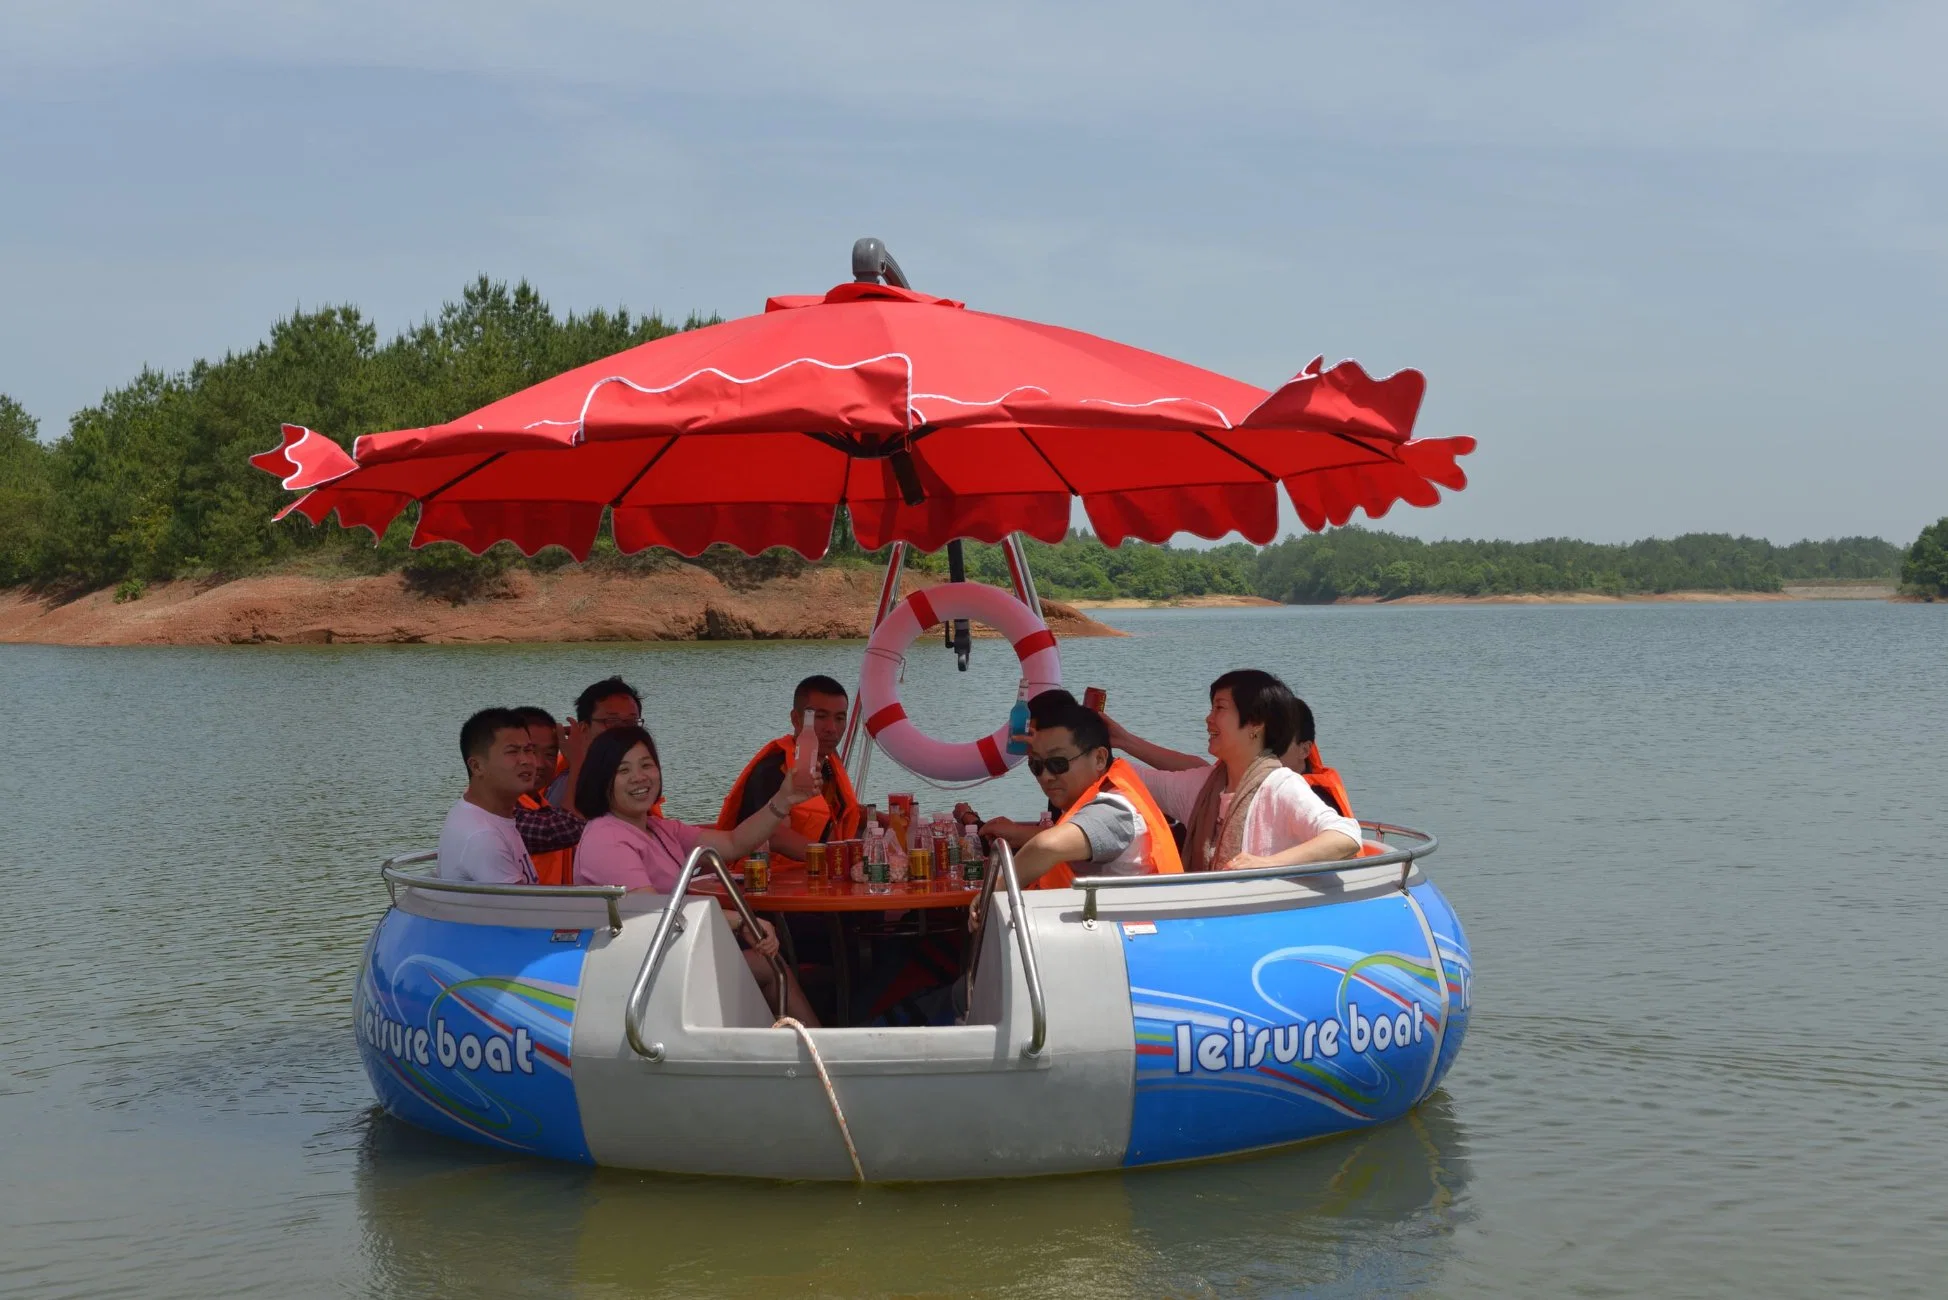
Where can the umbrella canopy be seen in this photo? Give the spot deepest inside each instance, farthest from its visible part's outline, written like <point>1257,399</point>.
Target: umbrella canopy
<point>926,420</point>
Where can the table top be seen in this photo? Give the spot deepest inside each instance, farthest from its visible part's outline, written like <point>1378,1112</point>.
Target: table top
<point>790,893</point>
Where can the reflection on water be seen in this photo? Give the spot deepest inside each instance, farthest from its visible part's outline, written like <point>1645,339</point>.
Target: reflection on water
<point>1365,1214</point>
<point>1694,847</point>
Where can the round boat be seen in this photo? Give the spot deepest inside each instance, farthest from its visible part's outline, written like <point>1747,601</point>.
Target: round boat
<point>1124,1021</point>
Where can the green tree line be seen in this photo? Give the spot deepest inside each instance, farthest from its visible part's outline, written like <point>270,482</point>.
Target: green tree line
<point>153,482</point>
<point>1350,562</point>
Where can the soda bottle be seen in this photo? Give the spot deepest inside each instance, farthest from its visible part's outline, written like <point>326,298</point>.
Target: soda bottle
<point>807,748</point>
<point>1018,721</point>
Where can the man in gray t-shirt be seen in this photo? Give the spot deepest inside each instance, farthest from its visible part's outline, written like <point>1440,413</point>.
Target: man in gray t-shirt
<point>1068,754</point>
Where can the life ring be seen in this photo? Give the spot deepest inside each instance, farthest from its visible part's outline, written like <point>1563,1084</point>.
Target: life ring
<point>879,684</point>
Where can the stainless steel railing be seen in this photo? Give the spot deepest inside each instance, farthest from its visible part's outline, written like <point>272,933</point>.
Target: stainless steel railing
<point>390,872</point>
<point>1001,865</point>
<point>671,925</point>
<point>1423,844</point>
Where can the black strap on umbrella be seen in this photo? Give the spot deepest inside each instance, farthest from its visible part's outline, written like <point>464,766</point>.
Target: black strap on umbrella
<point>871,264</point>
<point>959,639</point>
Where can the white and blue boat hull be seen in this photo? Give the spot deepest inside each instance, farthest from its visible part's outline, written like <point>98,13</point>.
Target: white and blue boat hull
<point>1202,1020</point>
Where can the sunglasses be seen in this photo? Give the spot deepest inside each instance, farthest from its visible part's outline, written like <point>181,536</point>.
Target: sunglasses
<point>1057,765</point>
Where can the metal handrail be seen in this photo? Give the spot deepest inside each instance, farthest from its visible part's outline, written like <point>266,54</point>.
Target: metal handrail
<point>989,879</point>
<point>1001,860</point>
<point>671,925</point>
<point>389,872</point>
<point>1037,1003</point>
<point>1405,857</point>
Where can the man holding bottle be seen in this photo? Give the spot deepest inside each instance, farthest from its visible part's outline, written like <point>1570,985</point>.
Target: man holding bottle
<point>818,717</point>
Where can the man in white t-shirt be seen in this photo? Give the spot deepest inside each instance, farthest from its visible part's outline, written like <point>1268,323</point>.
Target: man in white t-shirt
<point>479,840</point>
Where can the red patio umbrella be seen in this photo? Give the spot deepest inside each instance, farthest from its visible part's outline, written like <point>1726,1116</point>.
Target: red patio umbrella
<point>927,420</point>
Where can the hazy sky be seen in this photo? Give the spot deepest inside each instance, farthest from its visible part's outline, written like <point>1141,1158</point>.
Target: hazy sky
<point>1677,266</point>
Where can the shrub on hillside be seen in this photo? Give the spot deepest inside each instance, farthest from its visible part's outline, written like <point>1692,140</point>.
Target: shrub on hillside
<point>1925,571</point>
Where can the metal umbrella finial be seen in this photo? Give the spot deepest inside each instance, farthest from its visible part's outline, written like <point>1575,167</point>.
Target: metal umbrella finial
<point>871,263</point>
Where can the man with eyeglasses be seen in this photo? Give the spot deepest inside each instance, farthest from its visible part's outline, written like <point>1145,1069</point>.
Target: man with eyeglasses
<point>607,704</point>
<point>1107,823</point>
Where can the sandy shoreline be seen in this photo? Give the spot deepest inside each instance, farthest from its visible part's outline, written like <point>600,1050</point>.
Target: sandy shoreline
<point>1792,591</point>
<point>683,603</point>
<point>1182,602</point>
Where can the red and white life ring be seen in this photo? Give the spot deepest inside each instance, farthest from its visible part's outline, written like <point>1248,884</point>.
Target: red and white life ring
<point>879,685</point>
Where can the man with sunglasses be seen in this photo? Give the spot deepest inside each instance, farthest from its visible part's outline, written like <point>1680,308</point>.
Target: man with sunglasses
<point>1107,822</point>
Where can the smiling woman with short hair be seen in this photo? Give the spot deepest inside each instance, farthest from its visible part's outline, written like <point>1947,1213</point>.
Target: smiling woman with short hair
<point>626,844</point>
<point>1248,809</point>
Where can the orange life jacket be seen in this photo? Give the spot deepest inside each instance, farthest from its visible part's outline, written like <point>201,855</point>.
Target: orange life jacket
<point>1122,778</point>
<point>556,867</point>
<point>1326,782</point>
<point>815,818</point>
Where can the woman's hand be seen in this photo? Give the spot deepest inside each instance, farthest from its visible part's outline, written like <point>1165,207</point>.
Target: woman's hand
<point>800,785</point>
<point>1118,738</point>
<point>1327,846</point>
<point>766,940</point>
<point>964,813</point>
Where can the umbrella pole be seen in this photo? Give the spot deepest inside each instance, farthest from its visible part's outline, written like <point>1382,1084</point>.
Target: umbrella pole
<point>1019,574</point>
<point>888,592</point>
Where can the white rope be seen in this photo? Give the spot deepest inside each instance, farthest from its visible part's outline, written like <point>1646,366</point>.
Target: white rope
<point>818,1063</point>
<point>951,787</point>
<point>896,656</point>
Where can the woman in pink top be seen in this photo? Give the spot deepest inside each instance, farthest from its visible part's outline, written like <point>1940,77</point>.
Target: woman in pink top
<point>620,781</point>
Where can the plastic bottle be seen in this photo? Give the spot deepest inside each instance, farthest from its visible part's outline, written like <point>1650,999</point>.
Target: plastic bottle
<point>972,862</point>
<point>807,748</point>
<point>878,869</point>
<point>1018,721</point>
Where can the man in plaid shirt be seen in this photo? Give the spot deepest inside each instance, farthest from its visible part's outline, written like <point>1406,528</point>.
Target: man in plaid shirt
<point>545,828</point>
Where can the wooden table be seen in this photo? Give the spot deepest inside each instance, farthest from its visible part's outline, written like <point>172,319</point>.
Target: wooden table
<point>790,893</point>
<point>837,900</point>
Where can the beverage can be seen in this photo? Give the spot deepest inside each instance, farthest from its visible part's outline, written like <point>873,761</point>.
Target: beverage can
<point>1095,698</point>
<point>757,873</point>
<point>919,866</point>
<point>817,858</point>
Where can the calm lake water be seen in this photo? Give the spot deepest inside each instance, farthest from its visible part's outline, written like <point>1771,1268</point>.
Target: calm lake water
<point>1698,849</point>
